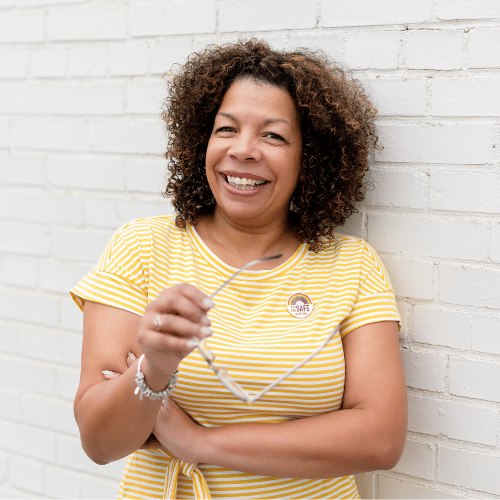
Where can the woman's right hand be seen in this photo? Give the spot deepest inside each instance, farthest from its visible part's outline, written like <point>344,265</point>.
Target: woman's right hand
<point>169,324</point>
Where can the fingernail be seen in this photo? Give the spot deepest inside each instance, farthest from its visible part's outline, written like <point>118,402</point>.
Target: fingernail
<point>206,331</point>
<point>132,355</point>
<point>107,372</point>
<point>192,342</point>
<point>207,303</point>
<point>205,321</point>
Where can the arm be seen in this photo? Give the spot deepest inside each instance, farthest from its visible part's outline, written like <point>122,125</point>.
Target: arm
<point>113,421</point>
<point>367,434</point>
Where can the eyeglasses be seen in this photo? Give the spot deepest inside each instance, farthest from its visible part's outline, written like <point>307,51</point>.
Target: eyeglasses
<point>222,373</point>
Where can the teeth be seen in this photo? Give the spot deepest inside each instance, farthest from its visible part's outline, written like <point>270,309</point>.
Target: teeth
<point>244,183</point>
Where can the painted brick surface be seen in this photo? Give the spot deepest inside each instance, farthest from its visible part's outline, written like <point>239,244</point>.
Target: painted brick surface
<point>81,152</point>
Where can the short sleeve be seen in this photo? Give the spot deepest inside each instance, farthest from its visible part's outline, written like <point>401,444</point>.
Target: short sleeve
<point>119,279</point>
<point>376,300</point>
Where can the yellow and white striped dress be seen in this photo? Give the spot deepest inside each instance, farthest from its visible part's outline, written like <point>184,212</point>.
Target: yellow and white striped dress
<point>255,337</point>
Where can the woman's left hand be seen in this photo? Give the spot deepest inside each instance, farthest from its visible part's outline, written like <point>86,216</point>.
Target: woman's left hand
<point>175,431</point>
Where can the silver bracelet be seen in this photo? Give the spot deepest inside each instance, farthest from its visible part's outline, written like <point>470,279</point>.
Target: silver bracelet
<point>144,390</point>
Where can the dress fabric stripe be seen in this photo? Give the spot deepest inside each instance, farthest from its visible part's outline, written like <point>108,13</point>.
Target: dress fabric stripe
<point>255,338</point>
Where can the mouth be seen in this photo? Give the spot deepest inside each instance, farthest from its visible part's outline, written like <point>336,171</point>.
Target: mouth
<point>243,183</point>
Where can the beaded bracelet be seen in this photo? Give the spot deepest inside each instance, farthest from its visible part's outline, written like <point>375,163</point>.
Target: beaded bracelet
<point>144,390</point>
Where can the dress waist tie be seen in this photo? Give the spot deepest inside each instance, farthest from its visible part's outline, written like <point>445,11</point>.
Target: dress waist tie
<point>175,465</point>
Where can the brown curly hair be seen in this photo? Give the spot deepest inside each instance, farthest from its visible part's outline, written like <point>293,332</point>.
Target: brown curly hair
<point>337,124</point>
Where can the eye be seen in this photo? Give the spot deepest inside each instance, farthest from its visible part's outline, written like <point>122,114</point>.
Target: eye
<point>274,136</point>
<point>225,129</point>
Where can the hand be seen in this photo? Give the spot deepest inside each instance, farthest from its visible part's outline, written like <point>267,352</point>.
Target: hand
<point>168,325</point>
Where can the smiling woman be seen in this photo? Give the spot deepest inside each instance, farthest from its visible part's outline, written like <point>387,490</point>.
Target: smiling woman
<point>267,152</point>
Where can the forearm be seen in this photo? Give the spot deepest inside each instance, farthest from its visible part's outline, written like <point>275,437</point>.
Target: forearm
<point>113,421</point>
<point>332,445</point>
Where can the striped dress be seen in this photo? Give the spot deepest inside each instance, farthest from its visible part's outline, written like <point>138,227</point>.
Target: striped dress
<point>264,323</point>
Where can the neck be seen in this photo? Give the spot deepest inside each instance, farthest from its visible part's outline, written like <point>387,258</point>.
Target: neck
<point>237,243</point>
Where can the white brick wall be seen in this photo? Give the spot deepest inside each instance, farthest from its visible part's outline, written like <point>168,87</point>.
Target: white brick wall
<point>81,152</point>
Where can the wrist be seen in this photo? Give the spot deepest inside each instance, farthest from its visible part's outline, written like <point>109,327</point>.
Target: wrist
<point>156,377</point>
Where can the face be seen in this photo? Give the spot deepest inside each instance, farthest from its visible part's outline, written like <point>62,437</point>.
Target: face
<point>254,153</point>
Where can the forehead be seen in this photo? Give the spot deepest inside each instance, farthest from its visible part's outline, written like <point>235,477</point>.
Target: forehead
<point>249,97</point>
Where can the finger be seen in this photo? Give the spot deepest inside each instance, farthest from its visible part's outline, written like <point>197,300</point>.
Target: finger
<point>175,302</point>
<point>109,375</point>
<point>130,358</point>
<point>180,327</point>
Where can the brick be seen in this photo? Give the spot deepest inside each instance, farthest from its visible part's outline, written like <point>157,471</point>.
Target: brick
<point>71,316</point>
<point>396,188</point>
<point>486,333</point>
<point>87,60</point>
<point>48,209</point>
<point>397,97</point>
<point>463,9</point>
<point>130,59</point>
<point>9,339</point>
<point>22,170</point>
<point>49,414</point>
<point>51,134</point>
<point>463,191</point>
<point>332,45</point>
<point>478,96</point>
<point>165,54</point>
<point>22,26</point>
<point>48,62</point>
<point>26,474</point>
<point>173,17</point>
<point>21,98</point>
<point>410,278</point>
<point>426,237</point>
<point>424,370</point>
<point>28,376</point>
<point>237,16</point>
<point>10,405</point>
<point>452,419</point>
<point>114,213</point>
<point>434,49</point>
<point>495,243</point>
<point>20,271</point>
<point>475,379</point>
<point>4,134</point>
<point>27,240</point>
<point>139,135</point>
<point>43,3</point>
<point>60,483</point>
<point>5,210</point>
<point>470,469</point>
<point>80,246</point>
<point>3,468</point>
<point>353,226</point>
<point>441,327</point>
<point>54,347</point>
<point>86,99</point>
<point>60,277</point>
<point>67,383</point>
<point>14,63</point>
<point>29,308</point>
<point>483,45</point>
<point>87,23</point>
<point>417,460</point>
<point>471,287</point>
<point>10,493</point>
<point>446,143</point>
<point>34,443</point>
<point>145,97</point>
<point>372,49</point>
<point>69,451</point>
<point>147,176</point>
<point>390,487</point>
<point>99,488</point>
<point>100,173</point>
<point>365,483</point>
<point>336,13</point>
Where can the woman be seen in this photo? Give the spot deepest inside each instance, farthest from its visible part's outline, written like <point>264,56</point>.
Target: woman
<point>267,152</point>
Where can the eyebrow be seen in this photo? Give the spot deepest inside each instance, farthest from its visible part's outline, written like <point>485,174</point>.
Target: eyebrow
<point>267,122</point>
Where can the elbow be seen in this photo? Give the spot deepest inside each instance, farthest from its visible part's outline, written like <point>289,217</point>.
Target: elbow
<point>389,452</point>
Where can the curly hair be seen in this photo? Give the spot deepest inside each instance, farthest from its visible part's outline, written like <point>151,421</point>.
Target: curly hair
<point>336,119</point>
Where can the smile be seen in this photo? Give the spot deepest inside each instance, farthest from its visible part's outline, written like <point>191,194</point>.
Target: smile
<point>243,183</point>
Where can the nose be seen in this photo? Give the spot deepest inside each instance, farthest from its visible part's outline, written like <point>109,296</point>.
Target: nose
<point>244,147</point>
